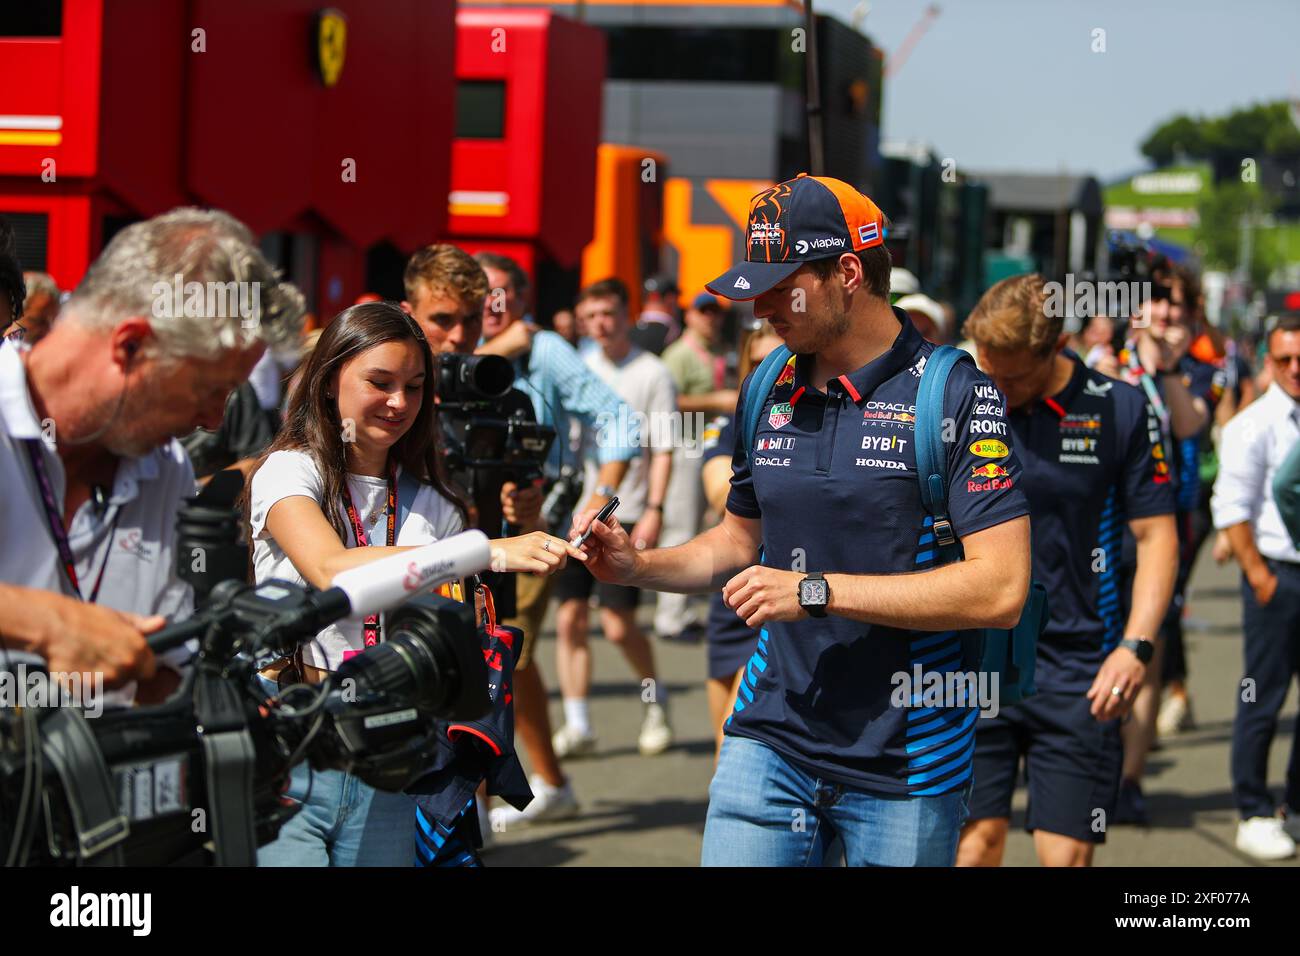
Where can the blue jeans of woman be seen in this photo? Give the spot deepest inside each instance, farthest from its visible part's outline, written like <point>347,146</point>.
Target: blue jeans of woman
<point>343,822</point>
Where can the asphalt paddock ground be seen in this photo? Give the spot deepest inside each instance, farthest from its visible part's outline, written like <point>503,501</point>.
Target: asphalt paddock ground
<point>649,811</point>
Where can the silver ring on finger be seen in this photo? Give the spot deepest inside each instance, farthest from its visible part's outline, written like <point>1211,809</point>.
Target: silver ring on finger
<point>546,545</point>
<point>1116,691</point>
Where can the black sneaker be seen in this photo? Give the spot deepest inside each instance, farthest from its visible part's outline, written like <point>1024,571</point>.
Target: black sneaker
<point>1131,807</point>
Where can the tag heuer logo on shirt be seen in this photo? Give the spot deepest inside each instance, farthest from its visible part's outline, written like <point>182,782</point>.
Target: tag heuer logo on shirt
<point>780,415</point>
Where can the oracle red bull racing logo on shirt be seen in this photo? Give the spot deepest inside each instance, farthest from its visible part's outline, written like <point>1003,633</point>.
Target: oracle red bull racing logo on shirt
<point>895,413</point>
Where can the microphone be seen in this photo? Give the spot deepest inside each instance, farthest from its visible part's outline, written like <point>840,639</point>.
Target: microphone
<point>379,586</point>
<point>383,585</point>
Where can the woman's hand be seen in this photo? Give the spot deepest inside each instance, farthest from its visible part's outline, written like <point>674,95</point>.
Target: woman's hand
<point>536,552</point>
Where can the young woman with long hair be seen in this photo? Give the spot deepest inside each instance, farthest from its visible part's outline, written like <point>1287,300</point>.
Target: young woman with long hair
<point>325,498</point>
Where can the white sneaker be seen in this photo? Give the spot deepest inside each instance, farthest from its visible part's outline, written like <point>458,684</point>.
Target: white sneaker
<point>548,803</point>
<point>1175,716</point>
<point>656,735</point>
<point>569,741</point>
<point>1264,839</point>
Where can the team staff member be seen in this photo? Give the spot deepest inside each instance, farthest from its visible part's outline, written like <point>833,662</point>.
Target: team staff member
<point>92,476</point>
<point>1253,446</point>
<point>1089,448</point>
<point>815,748</point>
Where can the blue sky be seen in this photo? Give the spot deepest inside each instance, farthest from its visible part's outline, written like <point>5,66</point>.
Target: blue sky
<point>1014,85</point>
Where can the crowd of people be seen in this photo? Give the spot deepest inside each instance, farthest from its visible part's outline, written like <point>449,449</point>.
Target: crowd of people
<point>831,557</point>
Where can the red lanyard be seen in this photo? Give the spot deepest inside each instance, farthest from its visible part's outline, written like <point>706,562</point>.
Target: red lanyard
<point>55,521</point>
<point>372,622</point>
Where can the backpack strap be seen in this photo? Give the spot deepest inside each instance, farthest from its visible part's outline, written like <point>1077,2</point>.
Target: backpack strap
<point>931,456</point>
<point>761,384</point>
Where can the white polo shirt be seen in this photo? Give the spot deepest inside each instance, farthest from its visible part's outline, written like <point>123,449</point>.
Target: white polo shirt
<point>138,555</point>
<point>1251,450</point>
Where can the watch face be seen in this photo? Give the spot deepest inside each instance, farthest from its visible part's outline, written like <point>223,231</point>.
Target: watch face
<point>812,592</point>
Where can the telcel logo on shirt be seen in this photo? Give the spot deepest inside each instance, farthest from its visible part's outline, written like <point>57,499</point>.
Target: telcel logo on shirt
<point>989,448</point>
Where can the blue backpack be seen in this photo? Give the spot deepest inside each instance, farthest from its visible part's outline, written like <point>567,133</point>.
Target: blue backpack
<point>1010,653</point>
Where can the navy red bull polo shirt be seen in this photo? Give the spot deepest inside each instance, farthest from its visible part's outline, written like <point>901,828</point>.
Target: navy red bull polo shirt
<point>834,484</point>
<point>1093,461</point>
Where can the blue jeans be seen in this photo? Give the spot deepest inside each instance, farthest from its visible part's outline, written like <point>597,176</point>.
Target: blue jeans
<point>344,822</point>
<point>765,811</point>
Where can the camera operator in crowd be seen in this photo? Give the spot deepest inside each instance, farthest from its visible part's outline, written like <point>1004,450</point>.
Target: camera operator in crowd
<point>88,456</point>
<point>562,389</point>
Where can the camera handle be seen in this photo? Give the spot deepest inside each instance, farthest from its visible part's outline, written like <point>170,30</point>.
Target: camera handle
<point>230,762</point>
<point>73,752</point>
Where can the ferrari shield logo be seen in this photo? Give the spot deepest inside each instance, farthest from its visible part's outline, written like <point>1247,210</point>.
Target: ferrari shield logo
<point>780,415</point>
<point>331,44</point>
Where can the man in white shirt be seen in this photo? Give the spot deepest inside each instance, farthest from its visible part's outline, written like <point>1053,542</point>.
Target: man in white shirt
<point>166,323</point>
<point>1253,446</point>
<point>646,387</point>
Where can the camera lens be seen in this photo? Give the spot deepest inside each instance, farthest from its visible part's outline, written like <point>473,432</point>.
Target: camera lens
<point>432,658</point>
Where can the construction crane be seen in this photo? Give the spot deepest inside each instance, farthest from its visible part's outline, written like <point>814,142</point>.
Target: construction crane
<point>899,57</point>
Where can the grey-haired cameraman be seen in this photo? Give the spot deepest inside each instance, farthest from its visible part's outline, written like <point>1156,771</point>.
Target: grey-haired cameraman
<point>165,324</point>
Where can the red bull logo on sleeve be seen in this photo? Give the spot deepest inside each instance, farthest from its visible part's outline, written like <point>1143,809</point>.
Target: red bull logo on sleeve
<point>995,477</point>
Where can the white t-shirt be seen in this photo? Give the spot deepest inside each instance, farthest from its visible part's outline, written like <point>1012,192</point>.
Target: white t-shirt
<point>286,474</point>
<point>646,385</point>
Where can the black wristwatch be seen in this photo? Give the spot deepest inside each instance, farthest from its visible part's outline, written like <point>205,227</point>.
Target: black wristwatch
<point>814,594</point>
<point>1143,649</point>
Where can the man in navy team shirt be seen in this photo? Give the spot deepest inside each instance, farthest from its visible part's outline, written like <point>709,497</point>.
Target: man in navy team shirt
<point>1092,460</point>
<point>817,747</point>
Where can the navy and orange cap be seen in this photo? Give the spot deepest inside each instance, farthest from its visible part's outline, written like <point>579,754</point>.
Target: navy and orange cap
<point>798,221</point>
